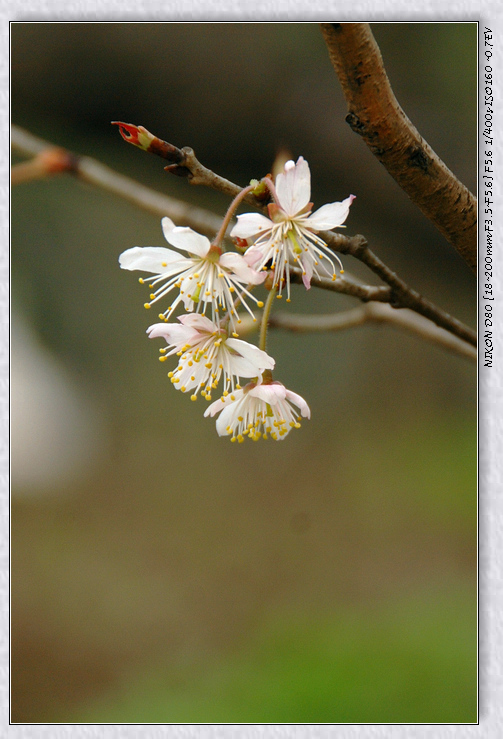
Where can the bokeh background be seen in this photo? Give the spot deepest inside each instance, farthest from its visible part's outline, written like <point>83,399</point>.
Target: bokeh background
<point>160,573</point>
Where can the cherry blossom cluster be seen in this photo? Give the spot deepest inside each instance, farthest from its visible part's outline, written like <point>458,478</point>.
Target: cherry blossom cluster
<point>205,279</point>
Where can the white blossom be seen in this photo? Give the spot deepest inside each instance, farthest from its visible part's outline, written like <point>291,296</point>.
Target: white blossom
<point>258,411</point>
<point>289,235</point>
<point>206,353</point>
<point>204,277</point>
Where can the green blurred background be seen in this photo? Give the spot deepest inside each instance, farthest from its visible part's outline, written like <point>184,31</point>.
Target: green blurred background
<point>160,573</point>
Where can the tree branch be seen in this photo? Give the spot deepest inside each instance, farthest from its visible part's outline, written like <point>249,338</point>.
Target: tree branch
<point>405,319</point>
<point>402,295</point>
<point>397,293</point>
<point>374,113</point>
<point>92,171</point>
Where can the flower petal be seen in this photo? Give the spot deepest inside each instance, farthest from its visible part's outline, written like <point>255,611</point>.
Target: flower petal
<point>167,226</point>
<point>253,355</point>
<point>255,254</point>
<point>251,224</point>
<point>198,322</point>
<point>173,333</point>
<point>330,215</point>
<point>271,393</point>
<point>185,238</point>
<point>238,265</point>
<point>294,186</point>
<point>155,259</point>
<point>299,402</point>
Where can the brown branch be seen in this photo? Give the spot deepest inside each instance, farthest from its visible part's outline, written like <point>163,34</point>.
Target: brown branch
<point>374,113</point>
<point>401,296</point>
<point>395,292</point>
<point>92,171</point>
<point>347,286</point>
<point>405,319</point>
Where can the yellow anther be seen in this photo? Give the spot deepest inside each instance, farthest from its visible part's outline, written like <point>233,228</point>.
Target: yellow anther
<point>240,439</point>
<point>288,300</point>
<point>233,438</point>
<point>260,304</point>
<point>146,305</point>
<point>279,296</point>
<point>341,271</point>
<point>235,334</point>
<point>164,264</point>
<point>193,397</point>
<point>141,281</point>
<point>162,359</point>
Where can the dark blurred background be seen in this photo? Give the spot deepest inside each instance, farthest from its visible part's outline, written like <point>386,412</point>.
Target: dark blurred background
<point>160,573</point>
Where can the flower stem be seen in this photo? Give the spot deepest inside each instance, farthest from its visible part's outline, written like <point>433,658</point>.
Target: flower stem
<point>265,318</point>
<point>270,185</point>
<point>230,212</point>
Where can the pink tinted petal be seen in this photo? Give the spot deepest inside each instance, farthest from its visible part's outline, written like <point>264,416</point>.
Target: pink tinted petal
<point>158,330</point>
<point>250,224</point>
<point>299,402</point>
<point>155,259</point>
<point>294,186</point>
<point>254,255</point>
<point>330,215</point>
<point>270,393</point>
<point>185,238</point>
<point>252,354</point>
<point>198,322</point>
<point>238,265</point>
<point>307,270</point>
<point>172,332</point>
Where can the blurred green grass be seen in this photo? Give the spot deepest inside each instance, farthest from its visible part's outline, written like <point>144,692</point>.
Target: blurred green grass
<point>410,661</point>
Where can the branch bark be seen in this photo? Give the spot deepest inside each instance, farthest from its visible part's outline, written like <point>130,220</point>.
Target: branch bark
<point>372,312</point>
<point>375,114</point>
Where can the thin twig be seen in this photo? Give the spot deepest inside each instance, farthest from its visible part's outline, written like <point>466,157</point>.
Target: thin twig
<point>405,319</point>
<point>102,176</point>
<point>94,172</point>
<point>397,293</point>
<point>374,113</point>
<point>402,296</point>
